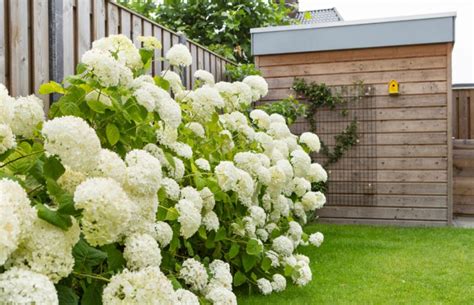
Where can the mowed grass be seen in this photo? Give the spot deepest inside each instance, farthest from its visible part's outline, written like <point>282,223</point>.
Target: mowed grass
<point>384,265</point>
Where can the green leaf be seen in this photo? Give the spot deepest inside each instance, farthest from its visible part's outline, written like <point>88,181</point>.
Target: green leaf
<point>288,270</point>
<point>115,260</point>
<point>92,294</point>
<point>221,234</point>
<point>266,263</point>
<point>254,247</point>
<point>161,82</point>
<point>87,256</point>
<point>239,278</point>
<point>113,133</point>
<point>234,250</point>
<point>202,232</point>
<point>172,214</point>
<point>52,168</point>
<point>97,106</point>
<point>248,261</point>
<point>189,247</point>
<point>146,55</point>
<point>66,295</point>
<point>53,217</point>
<point>81,68</point>
<point>51,87</point>
<point>69,108</point>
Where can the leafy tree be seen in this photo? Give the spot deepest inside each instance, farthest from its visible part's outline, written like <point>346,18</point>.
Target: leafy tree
<point>222,26</point>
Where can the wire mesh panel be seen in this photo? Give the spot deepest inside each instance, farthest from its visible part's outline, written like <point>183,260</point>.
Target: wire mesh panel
<point>352,170</point>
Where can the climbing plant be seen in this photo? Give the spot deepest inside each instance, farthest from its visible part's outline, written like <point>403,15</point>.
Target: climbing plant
<point>290,108</point>
<point>319,96</point>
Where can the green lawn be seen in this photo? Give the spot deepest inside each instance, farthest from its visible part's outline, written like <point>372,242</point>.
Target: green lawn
<point>384,265</point>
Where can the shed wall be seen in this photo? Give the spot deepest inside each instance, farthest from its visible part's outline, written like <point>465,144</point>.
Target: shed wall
<point>412,130</point>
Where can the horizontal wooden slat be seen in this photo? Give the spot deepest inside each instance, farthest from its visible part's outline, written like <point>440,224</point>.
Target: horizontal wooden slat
<point>412,163</point>
<point>464,209</point>
<point>367,78</point>
<point>420,138</point>
<point>412,188</point>
<point>396,151</point>
<point>390,200</point>
<point>432,62</point>
<point>389,175</point>
<point>379,90</point>
<point>386,127</point>
<point>384,213</point>
<point>353,55</point>
<point>384,222</point>
<point>463,186</point>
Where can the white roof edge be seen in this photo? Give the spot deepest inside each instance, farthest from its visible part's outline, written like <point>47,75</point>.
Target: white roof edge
<point>351,22</point>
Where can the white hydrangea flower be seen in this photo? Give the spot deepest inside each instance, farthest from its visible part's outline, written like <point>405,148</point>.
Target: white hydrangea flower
<point>203,164</point>
<point>189,218</point>
<point>166,135</point>
<point>171,188</point>
<point>74,141</point>
<point>295,232</point>
<point>186,297</point>
<point>278,283</point>
<point>106,210</point>
<point>145,208</point>
<point>177,171</point>
<point>302,274</point>
<point>243,94</point>
<point>211,221</point>
<point>7,138</point>
<point>264,286</point>
<point>27,114</point>
<point>182,149</point>
<point>170,112</point>
<point>208,199</point>
<point>279,130</point>
<point>179,55</point>
<point>260,118</point>
<point>245,188</point>
<point>301,162</point>
<point>205,77</point>
<point>10,230</point>
<point>316,239</point>
<point>193,195</point>
<point>227,175</point>
<point>150,42</point>
<point>163,233</point>
<point>316,173</point>
<point>122,47</point>
<point>174,80</point>
<point>14,198</point>
<point>313,200</point>
<point>221,296</point>
<point>220,275</point>
<point>108,71</point>
<point>194,274</point>
<point>299,211</point>
<point>258,215</point>
<point>146,286</point>
<point>204,102</point>
<point>157,152</point>
<point>283,245</point>
<point>311,140</point>
<point>274,258</point>
<point>6,106</point>
<point>300,186</point>
<point>197,129</point>
<point>97,95</point>
<point>143,174</point>
<point>47,250</point>
<point>110,165</point>
<point>141,251</point>
<point>258,85</point>
<point>19,286</point>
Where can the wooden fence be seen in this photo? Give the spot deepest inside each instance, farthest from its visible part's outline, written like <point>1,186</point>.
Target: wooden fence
<point>463,113</point>
<point>44,39</point>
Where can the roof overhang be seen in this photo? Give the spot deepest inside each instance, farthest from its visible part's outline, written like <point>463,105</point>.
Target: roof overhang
<point>399,31</point>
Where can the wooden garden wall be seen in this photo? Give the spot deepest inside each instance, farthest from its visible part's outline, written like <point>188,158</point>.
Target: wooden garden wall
<point>412,133</point>
<point>26,28</point>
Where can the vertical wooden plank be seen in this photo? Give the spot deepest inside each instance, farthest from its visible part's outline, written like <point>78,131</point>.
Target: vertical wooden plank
<point>449,96</point>
<point>454,114</point>
<point>175,39</point>
<point>99,17</point>
<point>189,70</point>
<point>125,23</point>
<point>224,77</point>
<point>207,65</point>
<point>83,26</point>
<point>194,65</point>
<point>471,114</point>
<point>212,64</point>
<point>166,46</point>
<point>463,116</point>
<point>157,66</point>
<point>147,28</point>
<point>218,70</point>
<point>136,29</point>
<point>113,19</point>
<point>68,37</point>
<point>40,47</point>
<point>3,47</point>
<point>19,51</point>
<point>200,58</point>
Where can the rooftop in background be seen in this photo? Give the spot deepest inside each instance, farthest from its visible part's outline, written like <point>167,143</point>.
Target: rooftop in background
<point>319,16</point>
<point>463,86</point>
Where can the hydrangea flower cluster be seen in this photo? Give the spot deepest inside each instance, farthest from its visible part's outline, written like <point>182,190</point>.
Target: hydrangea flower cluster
<point>151,193</point>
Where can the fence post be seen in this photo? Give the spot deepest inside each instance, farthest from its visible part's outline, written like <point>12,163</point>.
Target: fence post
<point>184,79</point>
<point>56,47</point>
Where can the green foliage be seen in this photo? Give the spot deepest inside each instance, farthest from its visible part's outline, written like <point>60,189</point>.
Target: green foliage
<point>240,71</point>
<point>319,96</point>
<point>290,108</point>
<point>222,26</point>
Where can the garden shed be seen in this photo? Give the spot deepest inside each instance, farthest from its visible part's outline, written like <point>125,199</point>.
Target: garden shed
<point>400,170</point>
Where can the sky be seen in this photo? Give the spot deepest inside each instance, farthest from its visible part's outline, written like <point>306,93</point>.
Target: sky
<point>463,52</point>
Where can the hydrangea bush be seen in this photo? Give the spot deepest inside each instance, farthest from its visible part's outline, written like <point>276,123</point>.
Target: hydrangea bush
<point>137,191</point>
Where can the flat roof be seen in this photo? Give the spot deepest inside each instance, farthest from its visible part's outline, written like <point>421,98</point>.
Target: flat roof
<point>396,31</point>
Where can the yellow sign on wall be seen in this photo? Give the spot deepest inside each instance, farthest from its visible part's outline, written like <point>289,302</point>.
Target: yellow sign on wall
<point>393,87</point>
